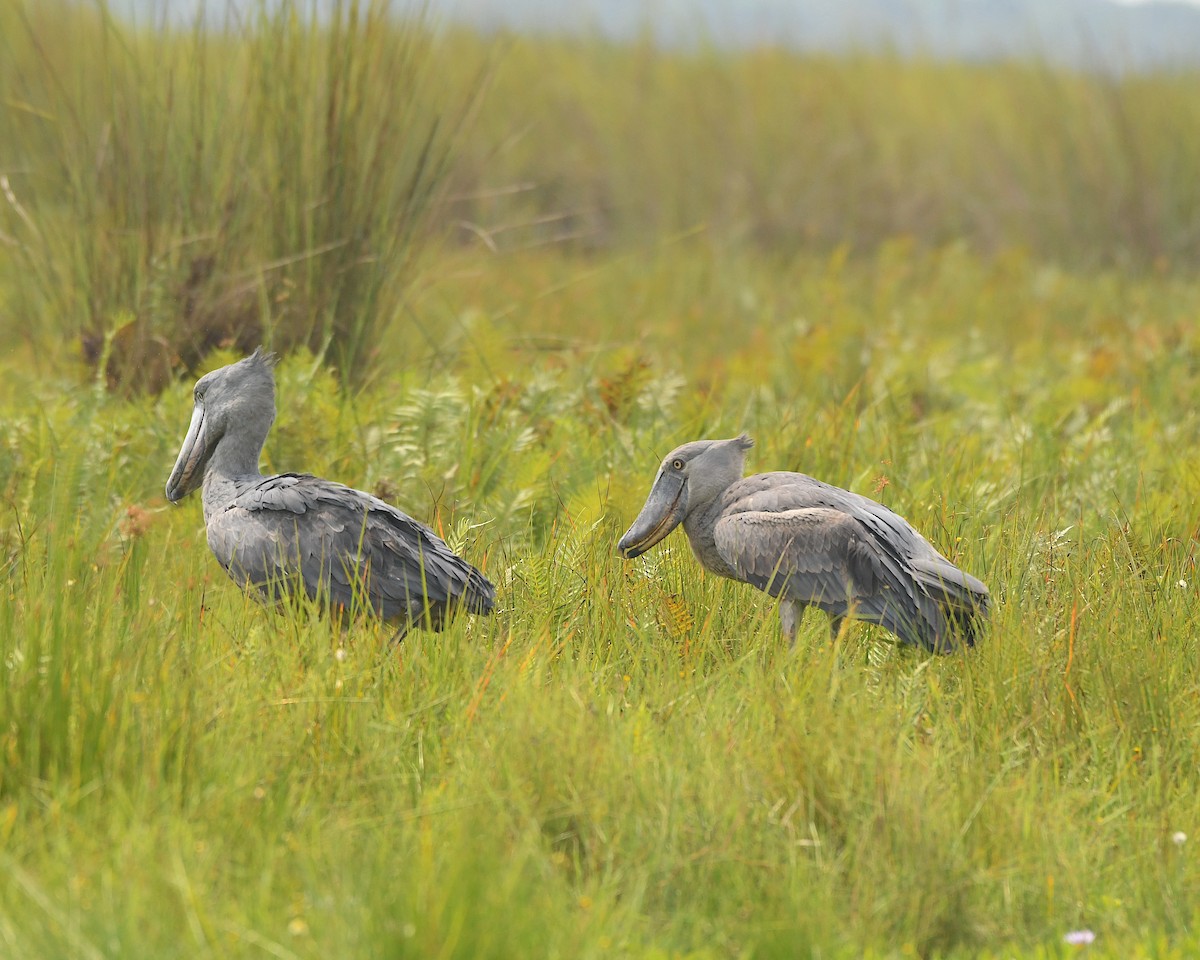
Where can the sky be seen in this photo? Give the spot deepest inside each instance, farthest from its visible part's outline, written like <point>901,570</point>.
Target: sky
<point>1104,35</point>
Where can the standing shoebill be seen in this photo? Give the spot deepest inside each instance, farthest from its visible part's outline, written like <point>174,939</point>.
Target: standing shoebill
<point>809,544</point>
<point>289,532</point>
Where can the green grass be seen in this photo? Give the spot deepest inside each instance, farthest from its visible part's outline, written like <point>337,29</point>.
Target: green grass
<point>964,290</point>
<point>170,191</point>
<point>610,144</point>
<point>627,760</point>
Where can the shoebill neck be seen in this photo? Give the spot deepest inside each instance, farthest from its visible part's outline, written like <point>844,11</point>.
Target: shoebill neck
<point>699,525</point>
<point>235,458</point>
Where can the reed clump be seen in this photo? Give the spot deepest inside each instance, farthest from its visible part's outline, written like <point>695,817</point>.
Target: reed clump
<point>169,190</point>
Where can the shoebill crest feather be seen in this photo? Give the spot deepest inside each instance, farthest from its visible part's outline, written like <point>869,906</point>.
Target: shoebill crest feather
<point>809,544</point>
<point>290,532</point>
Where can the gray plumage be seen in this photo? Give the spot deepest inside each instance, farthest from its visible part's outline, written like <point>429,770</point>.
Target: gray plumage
<point>293,532</point>
<point>810,544</point>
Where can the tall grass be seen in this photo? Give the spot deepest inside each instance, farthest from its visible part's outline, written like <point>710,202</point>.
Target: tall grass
<point>171,191</point>
<point>626,760</point>
<point>781,151</point>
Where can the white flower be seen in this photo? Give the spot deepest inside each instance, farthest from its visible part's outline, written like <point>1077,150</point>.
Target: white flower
<point>1182,584</point>
<point>1179,838</point>
<point>339,654</point>
<point>1079,938</point>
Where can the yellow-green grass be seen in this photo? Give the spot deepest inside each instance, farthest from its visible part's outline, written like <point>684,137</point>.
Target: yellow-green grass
<point>601,143</point>
<point>626,760</point>
<point>174,189</point>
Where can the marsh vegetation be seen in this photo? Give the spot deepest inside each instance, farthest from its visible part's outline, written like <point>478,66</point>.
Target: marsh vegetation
<point>509,276</point>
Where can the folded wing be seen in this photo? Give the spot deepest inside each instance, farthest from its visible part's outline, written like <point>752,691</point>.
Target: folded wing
<point>343,547</point>
<point>806,541</point>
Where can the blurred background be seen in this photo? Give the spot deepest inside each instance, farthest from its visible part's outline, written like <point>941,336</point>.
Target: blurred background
<point>180,176</point>
<point>1103,34</point>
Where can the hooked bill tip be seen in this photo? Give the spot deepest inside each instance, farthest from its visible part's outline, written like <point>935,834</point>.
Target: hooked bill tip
<point>629,549</point>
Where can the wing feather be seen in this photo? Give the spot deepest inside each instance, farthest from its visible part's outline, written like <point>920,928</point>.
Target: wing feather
<point>803,554</point>
<point>818,544</point>
<point>342,546</point>
<point>827,559</point>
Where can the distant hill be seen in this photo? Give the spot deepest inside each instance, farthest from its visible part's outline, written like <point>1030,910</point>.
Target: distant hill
<point>1099,34</point>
